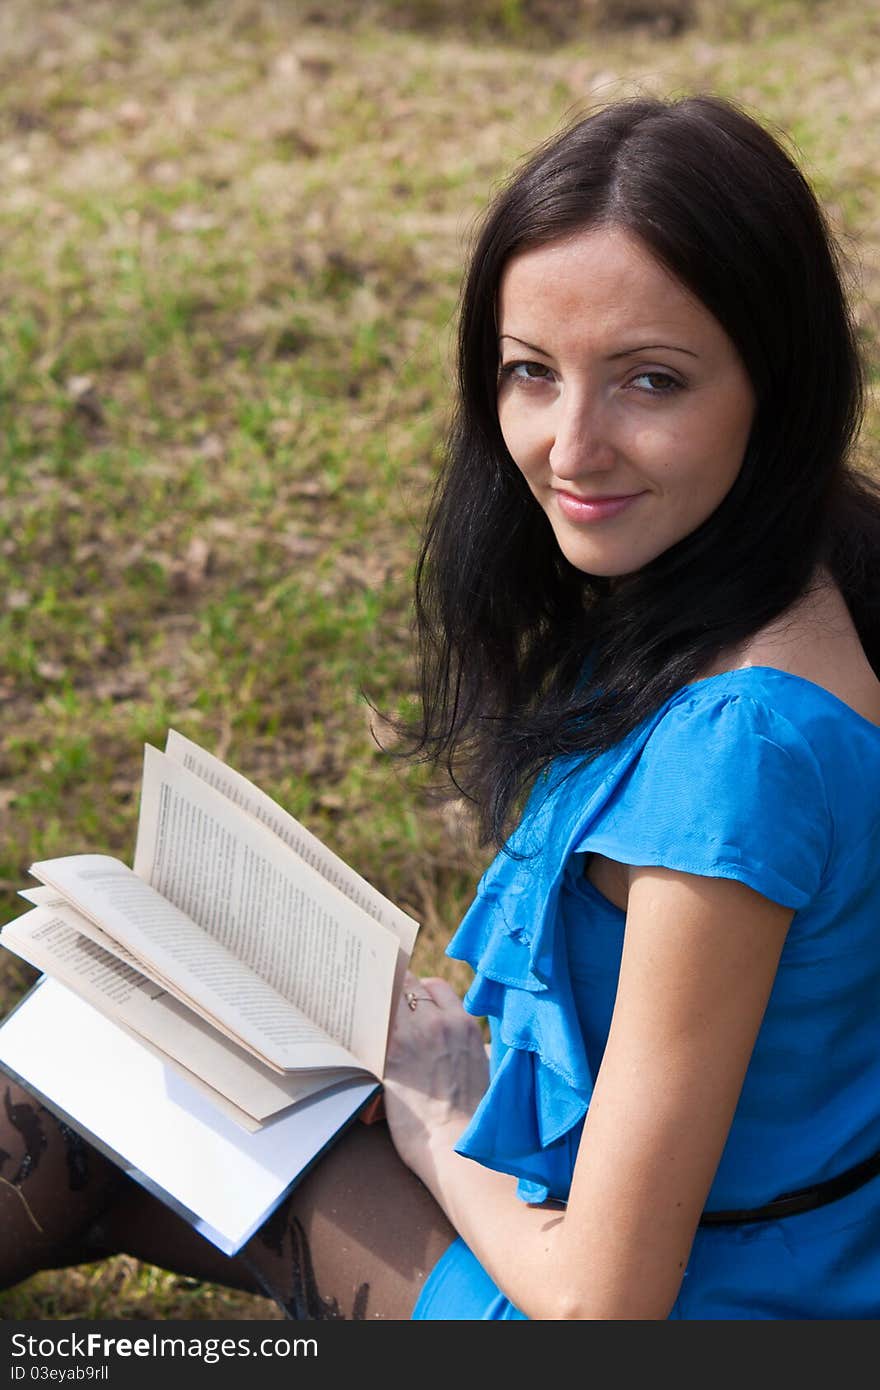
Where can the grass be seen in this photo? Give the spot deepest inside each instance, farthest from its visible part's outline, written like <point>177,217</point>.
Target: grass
<point>232,236</point>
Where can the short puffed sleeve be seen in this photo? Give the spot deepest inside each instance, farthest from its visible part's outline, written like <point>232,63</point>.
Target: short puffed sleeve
<point>724,786</point>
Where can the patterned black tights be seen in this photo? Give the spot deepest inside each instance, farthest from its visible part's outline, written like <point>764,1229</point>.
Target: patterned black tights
<point>355,1240</point>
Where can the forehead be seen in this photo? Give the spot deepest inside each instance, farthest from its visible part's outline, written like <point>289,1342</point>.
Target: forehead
<point>600,280</point>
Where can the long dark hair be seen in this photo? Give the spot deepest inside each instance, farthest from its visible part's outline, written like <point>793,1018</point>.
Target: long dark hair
<point>504,621</point>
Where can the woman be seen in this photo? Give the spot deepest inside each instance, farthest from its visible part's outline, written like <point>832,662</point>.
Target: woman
<point>646,602</point>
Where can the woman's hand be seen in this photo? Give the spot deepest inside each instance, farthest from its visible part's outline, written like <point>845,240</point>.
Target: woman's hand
<point>436,1070</point>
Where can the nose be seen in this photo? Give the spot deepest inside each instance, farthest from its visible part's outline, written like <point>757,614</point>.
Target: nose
<point>580,436</point>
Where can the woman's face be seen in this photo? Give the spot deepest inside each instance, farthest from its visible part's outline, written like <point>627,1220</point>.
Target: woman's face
<point>621,399</point>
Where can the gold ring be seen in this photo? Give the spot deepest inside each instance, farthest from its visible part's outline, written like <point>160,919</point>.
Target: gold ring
<point>413,999</point>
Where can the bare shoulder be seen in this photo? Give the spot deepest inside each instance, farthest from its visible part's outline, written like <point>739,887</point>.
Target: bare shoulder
<point>817,640</point>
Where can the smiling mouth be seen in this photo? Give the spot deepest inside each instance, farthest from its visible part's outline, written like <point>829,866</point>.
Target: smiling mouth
<point>591,501</point>
<point>592,509</point>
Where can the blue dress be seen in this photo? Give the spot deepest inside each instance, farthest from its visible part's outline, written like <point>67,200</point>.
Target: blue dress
<point>754,775</point>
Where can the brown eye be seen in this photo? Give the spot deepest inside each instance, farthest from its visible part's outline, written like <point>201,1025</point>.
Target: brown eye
<point>658,383</point>
<point>526,371</point>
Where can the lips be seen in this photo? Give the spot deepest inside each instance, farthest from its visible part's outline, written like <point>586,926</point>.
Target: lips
<point>585,509</point>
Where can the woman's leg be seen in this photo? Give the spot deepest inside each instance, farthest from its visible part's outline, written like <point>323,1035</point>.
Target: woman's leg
<point>52,1186</point>
<point>355,1239</point>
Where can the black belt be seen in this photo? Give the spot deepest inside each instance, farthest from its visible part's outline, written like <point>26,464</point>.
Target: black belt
<point>804,1199</point>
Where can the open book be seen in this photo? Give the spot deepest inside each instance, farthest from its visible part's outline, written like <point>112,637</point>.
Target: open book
<point>240,956</point>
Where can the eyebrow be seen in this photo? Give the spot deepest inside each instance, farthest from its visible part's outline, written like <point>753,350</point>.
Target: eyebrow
<point>522,342</point>
<point>627,352</point>
<point>652,347</point>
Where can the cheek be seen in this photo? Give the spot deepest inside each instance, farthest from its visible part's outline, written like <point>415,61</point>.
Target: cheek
<point>668,454</point>
<point>722,459</point>
<point>519,435</point>
<point>701,457</point>
<point>724,436</point>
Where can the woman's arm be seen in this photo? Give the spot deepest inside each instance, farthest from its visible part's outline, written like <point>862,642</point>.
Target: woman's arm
<point>699,959</point>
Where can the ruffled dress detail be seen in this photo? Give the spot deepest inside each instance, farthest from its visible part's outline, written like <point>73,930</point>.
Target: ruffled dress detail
<point>653,799</point>
<point>529,1120</point>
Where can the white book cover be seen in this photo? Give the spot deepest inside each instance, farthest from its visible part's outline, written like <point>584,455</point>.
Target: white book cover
<point>162,1129</point>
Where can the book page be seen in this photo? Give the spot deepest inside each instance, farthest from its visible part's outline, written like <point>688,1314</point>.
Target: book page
<point>64,909</point>
<point>42,896</point>
<point>257,898</point>
<point>204,973</point>
<point>50,940</point>
<point>329,865</point>
<point>51,944</point>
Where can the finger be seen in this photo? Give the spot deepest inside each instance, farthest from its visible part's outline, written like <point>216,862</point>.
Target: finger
<point>441,991</point>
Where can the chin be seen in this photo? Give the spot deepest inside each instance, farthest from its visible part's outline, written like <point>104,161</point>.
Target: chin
<point>605,566</point>
<point>612,557</point>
